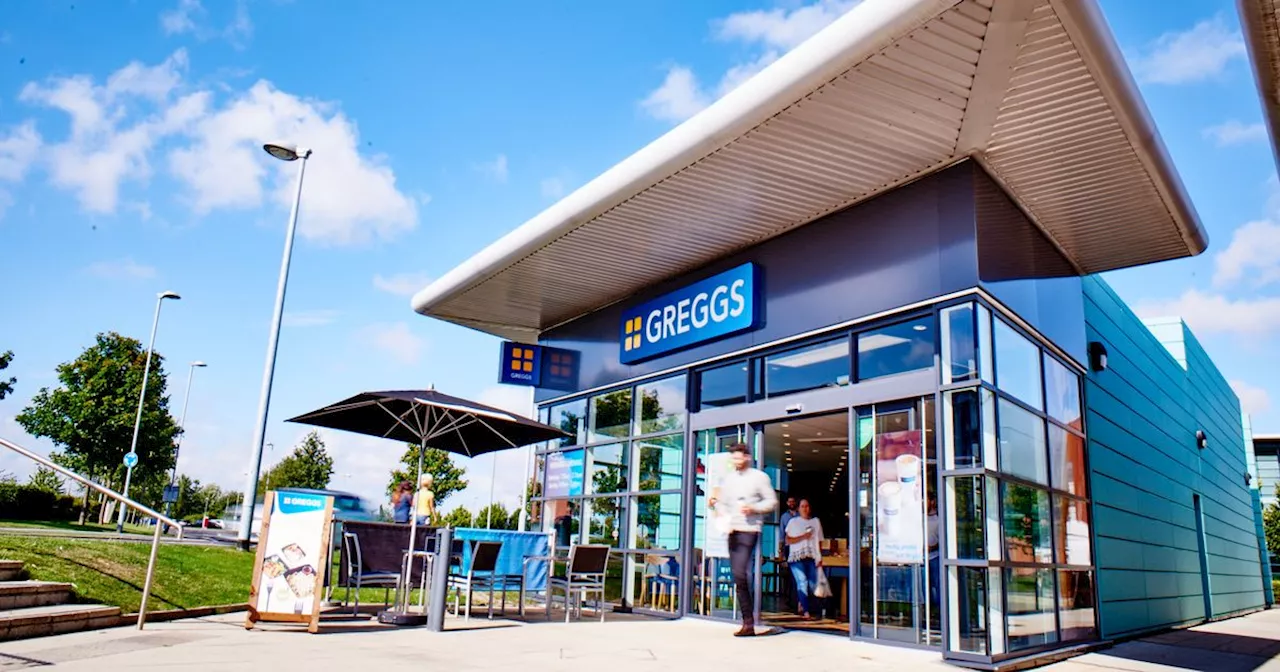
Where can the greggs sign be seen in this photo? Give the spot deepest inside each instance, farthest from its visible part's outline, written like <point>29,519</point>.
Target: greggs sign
<point>719,306</point>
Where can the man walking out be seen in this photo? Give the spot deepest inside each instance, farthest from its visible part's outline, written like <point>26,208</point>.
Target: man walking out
<point>747,495</point>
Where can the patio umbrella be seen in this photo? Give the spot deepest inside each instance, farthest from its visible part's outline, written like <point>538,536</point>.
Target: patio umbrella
<point>430,419</point>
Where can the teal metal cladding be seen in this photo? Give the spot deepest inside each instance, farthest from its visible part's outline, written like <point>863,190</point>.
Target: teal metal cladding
<point>1143,412</point>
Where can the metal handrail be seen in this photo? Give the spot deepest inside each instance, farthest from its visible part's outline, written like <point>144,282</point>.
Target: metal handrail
<point>124,501</point>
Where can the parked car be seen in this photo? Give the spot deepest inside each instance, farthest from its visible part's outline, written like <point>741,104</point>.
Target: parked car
<point>346,506</point>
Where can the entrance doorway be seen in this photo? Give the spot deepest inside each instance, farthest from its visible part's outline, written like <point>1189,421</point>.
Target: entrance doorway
<point>807,460</point>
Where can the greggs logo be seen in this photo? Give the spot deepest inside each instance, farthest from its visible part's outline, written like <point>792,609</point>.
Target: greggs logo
<point>721,305</point>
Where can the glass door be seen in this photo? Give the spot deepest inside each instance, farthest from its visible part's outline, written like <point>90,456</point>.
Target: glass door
<point>897,523</point>
<point>711,591</point>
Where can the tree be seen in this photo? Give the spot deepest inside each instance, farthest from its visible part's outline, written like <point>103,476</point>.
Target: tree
<point>91,414</point>
<point>6,386</point>
<point>48,479</point>
<point>1271,525</point>
<point>309,466</point>
<point>459,517</point>
<point>447,477</point>
<point>496,517</point>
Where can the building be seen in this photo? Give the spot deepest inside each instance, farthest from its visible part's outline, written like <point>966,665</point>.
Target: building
<point>875,264</point>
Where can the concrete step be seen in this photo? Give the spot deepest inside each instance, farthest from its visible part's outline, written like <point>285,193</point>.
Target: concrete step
<point>10,569</point>
<point>55,620</point>
<point>22,594</point>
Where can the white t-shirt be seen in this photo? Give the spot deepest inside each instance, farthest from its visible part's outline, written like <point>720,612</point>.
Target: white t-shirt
<point>809,548</point>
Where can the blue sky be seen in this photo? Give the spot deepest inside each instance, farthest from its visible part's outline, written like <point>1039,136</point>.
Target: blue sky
<point>129,165</point>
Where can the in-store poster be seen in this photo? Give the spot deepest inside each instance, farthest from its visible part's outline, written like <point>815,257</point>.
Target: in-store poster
<point>565,474</point>
<point>716,544</point>
<point>294,554</point>
<point>899,497</point>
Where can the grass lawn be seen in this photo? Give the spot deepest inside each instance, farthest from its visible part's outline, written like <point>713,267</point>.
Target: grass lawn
<point>112,573</point>
<point>73,527</point>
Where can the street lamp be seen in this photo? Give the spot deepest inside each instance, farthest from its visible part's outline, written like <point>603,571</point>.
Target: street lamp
<point>131,459</point>
<point>173,480</point>
<point>284,153</point>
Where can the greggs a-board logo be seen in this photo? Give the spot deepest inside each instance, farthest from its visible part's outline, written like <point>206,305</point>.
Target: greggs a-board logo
<point>721,305</point>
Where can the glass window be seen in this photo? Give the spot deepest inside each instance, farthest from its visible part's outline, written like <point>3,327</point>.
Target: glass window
<point>1022,449</point>
<point>1017,365</point>
<point>609,468</point>
<point>1066,455</point>
<point>660,462</point>
<point>611,415</point>
<point>572,418</point>
<point>970,501</point>
<point>723,386</point>
<point>1030,597</point>
<point>657,522</point>
<point>812,367</point>
<point>565,518</point>
<point>969,629</point>
<point>898,348</point>
<point>539,476</point>
<point>1063,389</point>
<point>1072,531</point>
<point>1076,608</point>
<point>605,516</point>
<point>1026,524</point>
<point>662,406</point>
<point>965,440</point>
<point>959,345</point>
<point>985,350</point>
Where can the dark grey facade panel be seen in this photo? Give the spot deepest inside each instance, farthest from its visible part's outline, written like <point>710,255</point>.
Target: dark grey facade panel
<point>907,246</point>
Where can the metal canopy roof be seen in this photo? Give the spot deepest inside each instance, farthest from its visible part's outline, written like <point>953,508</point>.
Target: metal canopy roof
<point>1034,90</point>
<point>1261,19</point>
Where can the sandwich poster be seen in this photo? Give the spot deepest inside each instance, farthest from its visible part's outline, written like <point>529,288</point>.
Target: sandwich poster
<point>293,549</point>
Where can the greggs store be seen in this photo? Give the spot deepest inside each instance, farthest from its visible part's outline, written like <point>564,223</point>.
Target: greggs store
<point>875,263</point>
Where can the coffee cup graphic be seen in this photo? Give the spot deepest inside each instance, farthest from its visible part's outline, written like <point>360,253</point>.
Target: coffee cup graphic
<point>908,468</point>
<point>890,498</point>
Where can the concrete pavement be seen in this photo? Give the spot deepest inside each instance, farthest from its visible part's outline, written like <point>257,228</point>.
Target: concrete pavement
<point>222,643</point>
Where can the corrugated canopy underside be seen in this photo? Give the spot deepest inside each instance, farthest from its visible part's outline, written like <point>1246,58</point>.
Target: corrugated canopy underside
<point>1034,90</point>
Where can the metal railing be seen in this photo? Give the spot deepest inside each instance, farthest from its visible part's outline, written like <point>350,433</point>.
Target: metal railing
<point>124,501</point>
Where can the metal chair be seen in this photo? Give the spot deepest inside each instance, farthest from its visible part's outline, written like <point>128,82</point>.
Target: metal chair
<point>584,575</point>
<point>481,574</point>
<point>356,573</point>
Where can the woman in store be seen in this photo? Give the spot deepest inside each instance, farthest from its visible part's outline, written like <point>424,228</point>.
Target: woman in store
<point>402,502</point>
<point>804,537</point>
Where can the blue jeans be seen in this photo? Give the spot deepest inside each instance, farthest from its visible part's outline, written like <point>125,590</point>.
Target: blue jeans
<point>805,572</point>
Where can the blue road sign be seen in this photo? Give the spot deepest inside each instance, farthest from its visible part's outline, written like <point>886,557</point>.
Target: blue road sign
<point>131,459</point>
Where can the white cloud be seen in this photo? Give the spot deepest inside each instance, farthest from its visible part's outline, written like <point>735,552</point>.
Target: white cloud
<point>1209,313</point>
<point>347,198</point>
<point>1235,133</point>
<point>767,34</point>
<point>679,97</point>
<point>781,28</point>
<point>1201,53</point>
<point>189,17</point>
<point>214,149</point>
<point>1253,400</point>
<point>514,398</point>
<point>397,340</point>
<point>401,284</point>
<point>1252,255</point>
<point>496,169</point>
<point>18,149</point>
<point>103,151</point>
<point>309,318</point>
<point>121,269</point>
<point>553,187</point>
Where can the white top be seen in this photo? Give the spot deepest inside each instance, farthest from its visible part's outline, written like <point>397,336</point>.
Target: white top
<point>749,487</point>
<point>809,548</point>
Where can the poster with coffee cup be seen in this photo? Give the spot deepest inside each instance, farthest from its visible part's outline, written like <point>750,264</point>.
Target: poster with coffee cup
<point>899,498</point>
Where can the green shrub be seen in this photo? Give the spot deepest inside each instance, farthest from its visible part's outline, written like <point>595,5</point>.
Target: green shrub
<point>25,502</point>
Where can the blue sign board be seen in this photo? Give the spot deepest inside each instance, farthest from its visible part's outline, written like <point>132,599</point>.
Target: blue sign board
<point>131,459</point>
<point>718,306</point>
<point>521,364</point>
<point>565,474</point>
<point>539,366</point>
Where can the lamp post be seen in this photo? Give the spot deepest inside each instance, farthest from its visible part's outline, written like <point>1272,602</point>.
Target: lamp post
<point>131,459</point>
<point>186,400</point>
<point>284,153</point>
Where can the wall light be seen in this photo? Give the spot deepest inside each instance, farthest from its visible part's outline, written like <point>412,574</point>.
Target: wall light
<point>1202,441</point>
<point>1097,356</point>
<point>1248,480</point>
